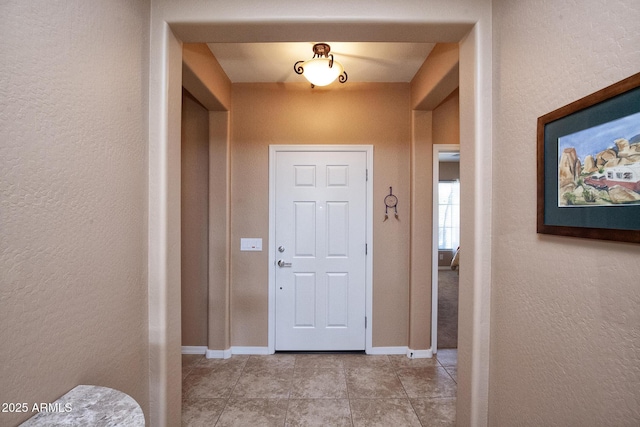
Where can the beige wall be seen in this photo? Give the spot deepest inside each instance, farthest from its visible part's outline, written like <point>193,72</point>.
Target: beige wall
<point>446,120</point>
<point>432,87</point>
<point>195,221</point>
<point>272,124</point>
<point>437,78</point>
<point>435,113</point>
<point>421,230</point>
<point>51,59</point>
<point>73,185</point>
<point>467,21</point>
<point>204,78</point>
<point>565,323</point>
<point>219,219</point>
<point>263,114</point>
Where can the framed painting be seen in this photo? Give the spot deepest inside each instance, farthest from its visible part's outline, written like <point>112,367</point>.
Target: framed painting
<point>589,166</point>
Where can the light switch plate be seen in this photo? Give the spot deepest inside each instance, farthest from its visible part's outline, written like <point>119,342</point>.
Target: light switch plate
<point>250,244</point>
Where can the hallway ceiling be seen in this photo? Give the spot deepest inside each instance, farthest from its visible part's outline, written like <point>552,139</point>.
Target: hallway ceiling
<point>363,62</point>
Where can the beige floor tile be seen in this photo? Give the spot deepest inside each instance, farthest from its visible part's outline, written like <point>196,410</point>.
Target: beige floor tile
<point>253,412</point>
<point>402,361</point>
<point>364,361</point>
<point>233,362</point>
<point>373,383</point>
<point>189,361</point>
<point>202,412</point>
<point>453,371</point>
<point>317,383</point>
<point>427,382</point>
<point>306,361</point>
<point>204,383</point>
<point>436,412</point>
<point>264,383</point>
<point>318,412</point>
<point>319,389</point>
<point>447,357</point>
<point>280,361</point>
<point>383,413</point>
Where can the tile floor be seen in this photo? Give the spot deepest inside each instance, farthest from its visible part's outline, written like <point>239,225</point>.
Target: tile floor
<point>319,390</point>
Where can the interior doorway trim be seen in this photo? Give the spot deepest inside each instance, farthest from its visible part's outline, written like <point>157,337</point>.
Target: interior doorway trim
<point>165,88</point>
<point>437,149</point>
<point>273,150</point>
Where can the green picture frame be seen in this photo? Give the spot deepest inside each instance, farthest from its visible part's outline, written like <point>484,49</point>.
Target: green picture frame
<point>589,166</point>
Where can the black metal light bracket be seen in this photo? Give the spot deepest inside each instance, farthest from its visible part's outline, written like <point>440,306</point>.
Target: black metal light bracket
<point>320,50</point>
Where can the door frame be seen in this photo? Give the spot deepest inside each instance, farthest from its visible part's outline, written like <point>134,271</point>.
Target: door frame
<point>273,150</point>
<point>437,149</point>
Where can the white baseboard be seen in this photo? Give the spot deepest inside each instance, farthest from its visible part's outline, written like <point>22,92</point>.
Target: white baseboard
<point>388,350</point>
<point>218,354</point>
<point>194,349</point>
<point>251,350</point>
<point>225,354</point>
<point>419,354</point>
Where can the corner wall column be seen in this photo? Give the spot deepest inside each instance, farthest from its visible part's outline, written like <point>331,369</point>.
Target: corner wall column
<point>219,340</point>
<point>421,234</point>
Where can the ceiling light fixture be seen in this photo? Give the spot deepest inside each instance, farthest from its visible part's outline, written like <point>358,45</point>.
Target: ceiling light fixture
<point>321,70</point>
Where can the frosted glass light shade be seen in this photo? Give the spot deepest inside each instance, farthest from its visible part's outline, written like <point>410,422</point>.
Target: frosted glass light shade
<point>318,73</point>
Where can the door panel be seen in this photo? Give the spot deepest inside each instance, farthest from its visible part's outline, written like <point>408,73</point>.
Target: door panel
<point>320,221</point>
<point>337,229</point>
<point>338,294</point>
<point>305,229</point>
<point>305,300</point>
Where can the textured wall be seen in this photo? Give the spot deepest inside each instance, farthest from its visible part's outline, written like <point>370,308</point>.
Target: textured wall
<point>446,120</point>
<point>219,231</point>
<point>264,114</point>
<point>73,188</point>
<point>426,20</point>
<point>195,221</point>
<point>565,324</point>
<point>421,233</point>
<point>204,78</point>
<point>447,130</point>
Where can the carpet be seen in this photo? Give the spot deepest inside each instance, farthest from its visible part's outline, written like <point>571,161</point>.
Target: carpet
<point>447,309</point>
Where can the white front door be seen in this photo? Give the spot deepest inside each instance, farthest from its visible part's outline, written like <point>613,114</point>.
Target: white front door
<point>320,250</point>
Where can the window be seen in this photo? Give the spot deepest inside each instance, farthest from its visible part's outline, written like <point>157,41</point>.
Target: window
<point>448,214</point>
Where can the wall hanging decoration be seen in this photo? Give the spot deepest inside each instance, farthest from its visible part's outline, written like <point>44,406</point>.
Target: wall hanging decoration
<point>589,166</point>
<point>390,201</point>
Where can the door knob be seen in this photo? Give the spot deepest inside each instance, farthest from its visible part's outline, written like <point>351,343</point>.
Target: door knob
<point>281,263</point>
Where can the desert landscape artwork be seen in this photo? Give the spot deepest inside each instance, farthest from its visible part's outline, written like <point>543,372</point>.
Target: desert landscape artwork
<point>600,166</point>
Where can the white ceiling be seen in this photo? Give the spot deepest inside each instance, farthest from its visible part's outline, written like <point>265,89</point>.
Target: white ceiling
<point>363,62</point>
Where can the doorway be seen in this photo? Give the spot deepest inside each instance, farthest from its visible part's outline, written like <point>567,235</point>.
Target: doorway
<point>164,194</point>
<point>320,236</point>
<point>446,241</point>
